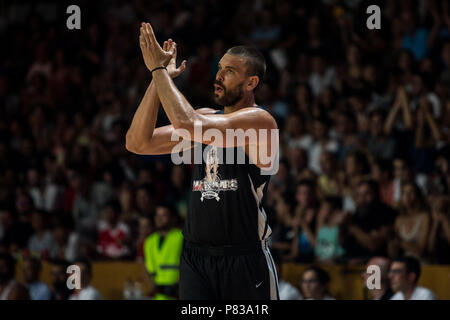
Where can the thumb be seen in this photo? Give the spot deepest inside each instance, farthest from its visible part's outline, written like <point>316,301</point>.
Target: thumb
<point>183,65</point>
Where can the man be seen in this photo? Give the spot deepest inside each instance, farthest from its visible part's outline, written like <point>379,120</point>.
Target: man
<point>404,275</point>
<point>225,254</point>
<point>86,291</point>
<point>59,275</point>
<point>365,234</point>
<point>384,292</point>
<point>31,269</point>
<point>10,289</point>
<point>162,250</point>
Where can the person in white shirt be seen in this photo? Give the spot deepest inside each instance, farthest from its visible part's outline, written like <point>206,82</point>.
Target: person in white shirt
<point>86,291</point>
<point>404,274</point>
<point>286,290</point>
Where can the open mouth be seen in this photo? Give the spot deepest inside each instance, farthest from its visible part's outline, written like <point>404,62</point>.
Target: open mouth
<point>218,89</point>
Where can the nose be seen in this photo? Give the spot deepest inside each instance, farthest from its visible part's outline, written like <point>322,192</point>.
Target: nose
<point>219,76</point>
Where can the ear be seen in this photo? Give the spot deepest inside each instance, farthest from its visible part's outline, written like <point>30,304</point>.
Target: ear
<point>252,83</point>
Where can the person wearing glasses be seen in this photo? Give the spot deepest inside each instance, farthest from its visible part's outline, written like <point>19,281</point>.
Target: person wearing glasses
<point>314,284</point>
<point>404,274</point>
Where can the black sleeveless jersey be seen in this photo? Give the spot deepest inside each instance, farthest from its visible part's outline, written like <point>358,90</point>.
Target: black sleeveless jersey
<point>226,200</point>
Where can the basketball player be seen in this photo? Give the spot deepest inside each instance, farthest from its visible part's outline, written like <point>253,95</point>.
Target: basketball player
<point>225,253</point>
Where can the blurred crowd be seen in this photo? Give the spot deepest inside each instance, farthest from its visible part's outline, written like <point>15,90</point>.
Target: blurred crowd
<point>364,118</point>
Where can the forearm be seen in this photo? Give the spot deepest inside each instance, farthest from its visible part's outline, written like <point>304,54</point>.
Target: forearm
<point>179,111</point>
<point>144,120</point>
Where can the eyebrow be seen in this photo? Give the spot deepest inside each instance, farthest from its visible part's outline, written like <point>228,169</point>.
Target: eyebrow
<point>228,67</point>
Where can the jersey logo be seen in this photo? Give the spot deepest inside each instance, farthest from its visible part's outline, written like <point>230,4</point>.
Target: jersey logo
<point>211,185</point>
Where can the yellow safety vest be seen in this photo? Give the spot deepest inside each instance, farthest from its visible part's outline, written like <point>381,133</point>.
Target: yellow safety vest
<point>163,262</point>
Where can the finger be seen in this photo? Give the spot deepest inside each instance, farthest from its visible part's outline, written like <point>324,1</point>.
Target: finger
<point>143,34</point>
<point>165,45</point>
<point>182,66</point>
<point>151,35</point>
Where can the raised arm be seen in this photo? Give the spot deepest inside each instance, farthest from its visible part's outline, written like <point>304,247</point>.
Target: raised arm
<point>184,118</point>
<point>142,138</point>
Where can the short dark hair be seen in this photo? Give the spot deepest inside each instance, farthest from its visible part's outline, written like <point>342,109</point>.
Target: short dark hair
<point>412,264</point>
<point>322,275</point>
<point>256,63</point>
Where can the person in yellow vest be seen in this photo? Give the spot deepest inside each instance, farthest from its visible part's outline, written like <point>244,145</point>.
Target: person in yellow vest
<point>162,251</point>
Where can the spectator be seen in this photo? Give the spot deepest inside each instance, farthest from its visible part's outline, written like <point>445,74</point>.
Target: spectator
<point>327,246</point>
<point>286,290</point>
<point>366,232</point>
<point>404,274</point>
<point>384,292</point>
<point>31,269</point>
<point>15,234</point>
<point>412,224</point>
<point>66,242</point>
<point>113,235</point>
<point>145,229</point>
<point>10,289</point>
<point>87,291</point>
<point>314,284</point>
<point>41,243</point>
<point>162,251</point>
<point>304,223</point>
<point>58,275</point>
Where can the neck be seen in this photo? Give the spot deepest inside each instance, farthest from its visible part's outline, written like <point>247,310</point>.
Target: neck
<point>245,102</point>
<point>408,292</point>
<point>378,293</point>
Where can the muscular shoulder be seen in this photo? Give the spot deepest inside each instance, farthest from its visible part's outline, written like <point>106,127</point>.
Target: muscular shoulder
<point>260,115</point>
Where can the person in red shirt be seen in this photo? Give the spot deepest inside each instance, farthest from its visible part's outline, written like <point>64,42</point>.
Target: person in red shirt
<point>113,234</point>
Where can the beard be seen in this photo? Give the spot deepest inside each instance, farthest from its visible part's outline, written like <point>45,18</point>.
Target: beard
<point>229,96</point>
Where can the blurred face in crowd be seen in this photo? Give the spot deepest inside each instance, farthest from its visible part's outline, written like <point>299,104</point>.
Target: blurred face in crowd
<point>409,195</point>
<point>376,125</point>
<point>327,163</point>
<point>231,81</point>
<point>294,126</point>
<point>365,195</point>
<point>110,215</point>
<point>33,177</point>
<point>408,22</point>
<point>142,199</point>
<point>351,166</point>
<point>297,158</point>
<point>23,203</point>
<point>311,287</point>
<point>399,278</point>
<point>58,276</point>
<point>383,264</point>
<point>320,130</point>
<point>30,271</point>
<point>304,195</point>
<point>60,235</point>
<point>162,218</point>
<point>145,227</point>
<point>400,169</point>
<point>37,221</point>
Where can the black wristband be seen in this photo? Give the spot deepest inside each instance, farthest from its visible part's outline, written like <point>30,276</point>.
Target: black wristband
<point>157,68</point>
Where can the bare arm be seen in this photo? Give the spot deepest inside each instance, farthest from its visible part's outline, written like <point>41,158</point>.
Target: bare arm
<point>183,116</point>
<point>142,137</point>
